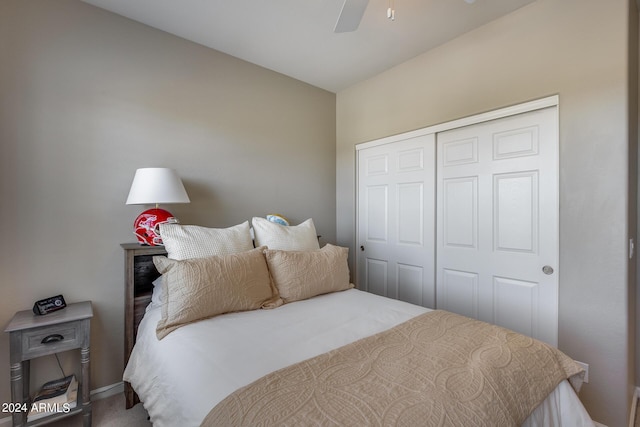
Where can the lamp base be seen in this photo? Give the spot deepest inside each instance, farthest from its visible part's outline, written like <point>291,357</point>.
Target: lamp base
<point>146,226</point>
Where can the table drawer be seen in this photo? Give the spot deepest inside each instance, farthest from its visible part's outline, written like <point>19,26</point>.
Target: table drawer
<point>61,337</point>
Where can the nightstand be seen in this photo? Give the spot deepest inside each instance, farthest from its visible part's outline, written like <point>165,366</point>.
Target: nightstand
<point>139,274</point>
<point>66,329</point>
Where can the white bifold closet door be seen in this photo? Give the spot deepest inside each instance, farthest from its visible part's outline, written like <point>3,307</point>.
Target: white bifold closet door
<point>497,222</point>
<point>396,217</point>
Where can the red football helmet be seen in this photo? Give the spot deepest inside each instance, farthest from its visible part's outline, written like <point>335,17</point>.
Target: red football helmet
<point>146,226</point>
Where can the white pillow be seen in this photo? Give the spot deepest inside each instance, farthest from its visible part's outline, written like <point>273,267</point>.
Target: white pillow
<point>300,237</point>
<point>156,294</point>
<point>192,241</point>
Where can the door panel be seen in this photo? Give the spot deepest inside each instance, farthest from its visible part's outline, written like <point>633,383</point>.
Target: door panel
<point>396,217</point>
<point>497,222</point>
<point>410,283</point>
<point>459,292</point>
<point>376,276</point>
<point>460,212</point>
<point>516,212</point>
<point>377,206</point>
<point>410,214</point>
<point>516,305</point>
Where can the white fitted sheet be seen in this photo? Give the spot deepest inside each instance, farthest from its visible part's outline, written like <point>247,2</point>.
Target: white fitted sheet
<point>181,377</point>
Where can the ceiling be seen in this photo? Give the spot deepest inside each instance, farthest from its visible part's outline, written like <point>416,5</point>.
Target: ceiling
<point>296,38</point>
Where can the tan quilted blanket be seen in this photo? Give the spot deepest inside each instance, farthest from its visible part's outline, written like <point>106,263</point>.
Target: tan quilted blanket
<point>438,369</point>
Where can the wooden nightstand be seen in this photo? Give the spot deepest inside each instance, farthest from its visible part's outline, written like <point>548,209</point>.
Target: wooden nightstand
<point>139,274</point>
<point>70,328</point>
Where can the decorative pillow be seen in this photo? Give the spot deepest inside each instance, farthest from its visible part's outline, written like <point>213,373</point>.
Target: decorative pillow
<point>300,237</point>
<point>299,275</point>
<point>199,288</point>
<point>278,219</point>
<point>192,241</point>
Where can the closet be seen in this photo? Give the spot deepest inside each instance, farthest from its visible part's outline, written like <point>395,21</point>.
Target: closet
<point>463,216</point>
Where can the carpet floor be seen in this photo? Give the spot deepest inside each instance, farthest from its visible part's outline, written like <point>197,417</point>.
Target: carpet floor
<point>109,412</point>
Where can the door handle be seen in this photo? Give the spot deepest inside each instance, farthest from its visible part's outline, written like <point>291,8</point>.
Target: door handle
<point>547,269</point>
<point>362,248</point>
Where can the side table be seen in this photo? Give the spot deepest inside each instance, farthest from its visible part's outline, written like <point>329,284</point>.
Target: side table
<point>34,336</point>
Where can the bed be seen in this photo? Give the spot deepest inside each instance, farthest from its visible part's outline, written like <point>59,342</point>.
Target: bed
<point>248,366</point>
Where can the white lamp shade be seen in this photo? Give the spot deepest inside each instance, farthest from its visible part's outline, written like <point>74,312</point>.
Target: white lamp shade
<point>156,185</point>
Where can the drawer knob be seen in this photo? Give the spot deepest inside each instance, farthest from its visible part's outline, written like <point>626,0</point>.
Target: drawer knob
<point>51,338</point>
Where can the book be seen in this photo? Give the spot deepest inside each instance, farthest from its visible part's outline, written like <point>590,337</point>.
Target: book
<point>57,396</point>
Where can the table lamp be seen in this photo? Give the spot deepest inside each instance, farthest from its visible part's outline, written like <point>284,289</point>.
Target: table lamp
<point>153,186</point>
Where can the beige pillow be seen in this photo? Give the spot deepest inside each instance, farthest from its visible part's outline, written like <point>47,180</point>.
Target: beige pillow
<point>192,241</point>
<point>301,237</point>
<point>299,275</point>
<point>200,288</point>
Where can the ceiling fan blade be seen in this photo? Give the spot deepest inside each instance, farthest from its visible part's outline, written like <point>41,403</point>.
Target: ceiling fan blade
<point>350,16</point>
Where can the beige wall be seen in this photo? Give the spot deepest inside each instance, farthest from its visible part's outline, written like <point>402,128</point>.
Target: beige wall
<point>574,48</point>
<point>86,97</point>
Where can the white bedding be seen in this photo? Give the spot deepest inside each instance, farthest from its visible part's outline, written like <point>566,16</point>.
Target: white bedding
<point>180,378</point>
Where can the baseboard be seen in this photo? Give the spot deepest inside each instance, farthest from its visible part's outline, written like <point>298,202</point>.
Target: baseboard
<point>107,391</point>
<point>97,394</point>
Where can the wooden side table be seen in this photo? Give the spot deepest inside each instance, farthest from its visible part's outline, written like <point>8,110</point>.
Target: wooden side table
<point>33,336</point>
<point>139,274</point>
